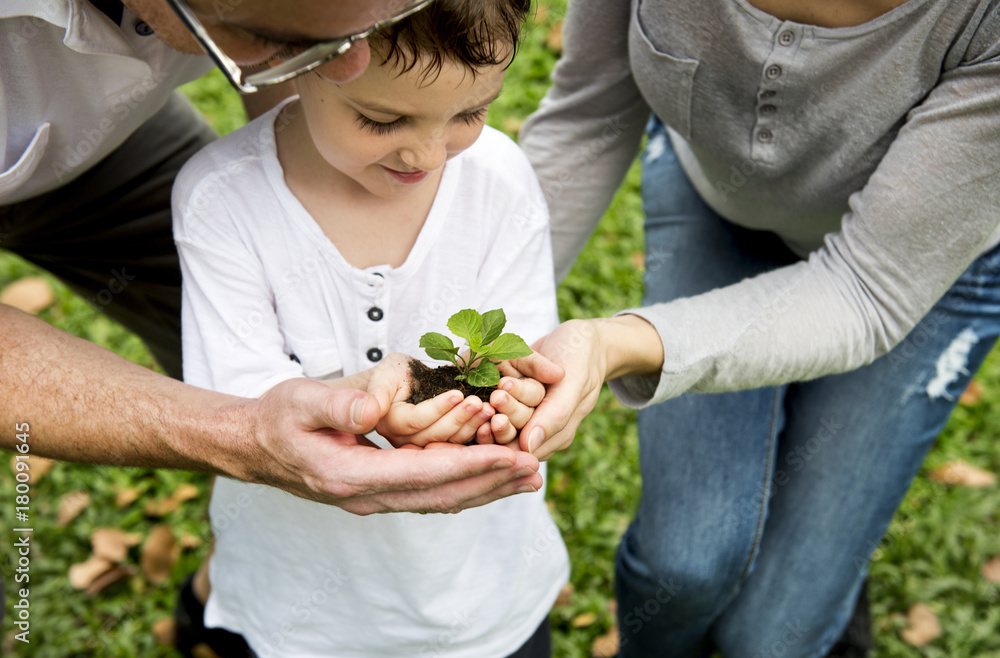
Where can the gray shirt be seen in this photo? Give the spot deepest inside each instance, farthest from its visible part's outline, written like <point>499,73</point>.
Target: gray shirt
<point>874,151</point>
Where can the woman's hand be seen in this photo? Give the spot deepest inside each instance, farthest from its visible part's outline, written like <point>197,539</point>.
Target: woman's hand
<point>591,352</point>
<point>448,417</point>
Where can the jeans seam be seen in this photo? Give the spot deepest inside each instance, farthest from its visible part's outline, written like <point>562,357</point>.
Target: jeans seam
<point>764,498</point>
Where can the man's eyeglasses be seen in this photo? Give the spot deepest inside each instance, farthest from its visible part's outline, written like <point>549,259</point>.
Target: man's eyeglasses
<point>297,62</point>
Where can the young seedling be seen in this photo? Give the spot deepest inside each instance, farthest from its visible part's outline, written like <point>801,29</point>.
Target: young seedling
<point>485,342</point>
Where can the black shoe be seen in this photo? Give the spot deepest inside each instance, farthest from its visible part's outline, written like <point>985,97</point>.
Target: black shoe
<point>857,639</point>
<point>189,613</point>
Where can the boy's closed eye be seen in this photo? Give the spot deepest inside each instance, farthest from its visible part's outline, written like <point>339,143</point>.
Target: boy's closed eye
<point>388,127</point>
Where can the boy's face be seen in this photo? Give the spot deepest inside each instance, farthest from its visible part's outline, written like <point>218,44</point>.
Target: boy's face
<point>389,132</point>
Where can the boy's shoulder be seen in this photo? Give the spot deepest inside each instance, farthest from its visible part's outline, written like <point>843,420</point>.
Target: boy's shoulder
<point>230,156</point>
<point>498,154</point>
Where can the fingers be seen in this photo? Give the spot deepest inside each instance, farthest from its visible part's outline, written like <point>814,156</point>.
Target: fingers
<point>317,406</point>
<point>447,417</point>
<point>526,390</point>
<point>440,478</point>
<point>517,413</point>
<point>535,366</point>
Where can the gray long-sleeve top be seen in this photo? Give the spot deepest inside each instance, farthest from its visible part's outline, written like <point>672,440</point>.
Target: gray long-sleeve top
<point>875,153</point>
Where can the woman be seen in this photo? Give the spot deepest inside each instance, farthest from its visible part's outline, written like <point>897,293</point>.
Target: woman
<point>821,184</point>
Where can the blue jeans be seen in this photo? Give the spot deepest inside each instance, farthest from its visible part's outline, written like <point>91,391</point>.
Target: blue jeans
<point>760,508</point>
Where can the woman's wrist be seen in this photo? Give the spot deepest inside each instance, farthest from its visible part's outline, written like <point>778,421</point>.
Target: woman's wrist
<point>631,346</point>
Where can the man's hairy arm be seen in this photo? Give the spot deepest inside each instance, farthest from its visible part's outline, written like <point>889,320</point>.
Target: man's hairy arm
<point>86,404</point>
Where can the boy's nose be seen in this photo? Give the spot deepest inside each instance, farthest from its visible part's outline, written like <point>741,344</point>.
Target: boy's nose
<point>428,154</point>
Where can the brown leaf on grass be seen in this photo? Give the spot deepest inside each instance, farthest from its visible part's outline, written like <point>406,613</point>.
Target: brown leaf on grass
<point>584,619</point>
<point>31,294</point>
<point>541,13</point>
<point>923,626</point>
<point>962,473</point>
<point>606,646</point>
<point>38,467</point>
<point>159,553</point>
<point>113,543</point>
<point>71,504</point>
<point>565,595</point>
<point>991,570</point>
<point>638,259</point>
<point>613,607</point>
<point>125,497</point>
<point>109,577</point>
<point>82,574</point>
<point>189,541</point>
<point>202,650</point>
<point>165,631</point>
<point>972,394</point>
<point>159,508</point>
<point>554,40</point>
<point>185,492</point>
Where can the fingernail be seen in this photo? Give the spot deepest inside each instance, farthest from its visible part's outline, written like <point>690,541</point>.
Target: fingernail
<point>358,411</point>
<point>535,439</point>
<point>503,463</point>
<point>524,472</point>
<point>507,385</point>
<point>526,489</point>
<point>455,398</point>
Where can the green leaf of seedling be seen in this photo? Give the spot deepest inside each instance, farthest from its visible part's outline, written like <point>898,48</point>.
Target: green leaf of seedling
<point>438,347</point>
<point>485,374</point>
<point>507,346</point>
<point>493,322</point>
<point>465,324</point>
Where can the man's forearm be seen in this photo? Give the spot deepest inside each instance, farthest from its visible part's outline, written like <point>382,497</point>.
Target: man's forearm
<point>86,404</point>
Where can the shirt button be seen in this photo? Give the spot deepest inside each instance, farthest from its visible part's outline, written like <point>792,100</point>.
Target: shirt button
<point>768,110</point>
<point>374,314</point>
<point>374,355</point>
<point>143,30</point>
<point>772,72</point>
<point>770,93</point>
<point>764,135</point>
<point>786,38</point>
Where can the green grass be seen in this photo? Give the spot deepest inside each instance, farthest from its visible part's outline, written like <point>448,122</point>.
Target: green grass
<point>932,553</point>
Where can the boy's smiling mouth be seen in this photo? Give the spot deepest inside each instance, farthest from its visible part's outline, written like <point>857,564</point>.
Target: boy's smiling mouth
<point>408,177</point>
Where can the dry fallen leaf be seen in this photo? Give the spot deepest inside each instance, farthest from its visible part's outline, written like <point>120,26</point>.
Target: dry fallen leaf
<point>160,508</point>
<point>165,631</point>
<point>189,541</point>
<point>541,13</point>
<point>70,506</point>
<point>38,467</point>
<point>584,619</point>
<point>972,394</point>
<point>31,294</point>
<point>159,552</point>
<point>81,575</point>
<point>554,40</point>
<point>113,543</point>
<point>512,125</point>
<point>125,497</point>
<point>185,492</point>
<point>962,473</point>
<point>605,646</point>
<point>991,570</point>
<point>638,259</point>
<point>109,577</point>
<point>202,650</point>
<point>923,626</point>
<point>564,596</point>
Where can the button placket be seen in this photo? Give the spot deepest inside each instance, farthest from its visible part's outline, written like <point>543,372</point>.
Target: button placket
<point>774,73</point>
<point>372,307</point>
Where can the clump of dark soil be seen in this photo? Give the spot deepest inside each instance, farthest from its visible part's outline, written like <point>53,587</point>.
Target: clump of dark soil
<point>426,383</point>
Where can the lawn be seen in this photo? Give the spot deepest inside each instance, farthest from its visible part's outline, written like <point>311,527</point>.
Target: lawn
<point>934,553</point>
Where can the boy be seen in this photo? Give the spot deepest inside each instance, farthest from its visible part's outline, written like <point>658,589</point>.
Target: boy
<point>333,230</point>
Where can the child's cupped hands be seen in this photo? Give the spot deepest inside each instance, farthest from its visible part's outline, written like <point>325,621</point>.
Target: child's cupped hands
<point>451,417</point>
